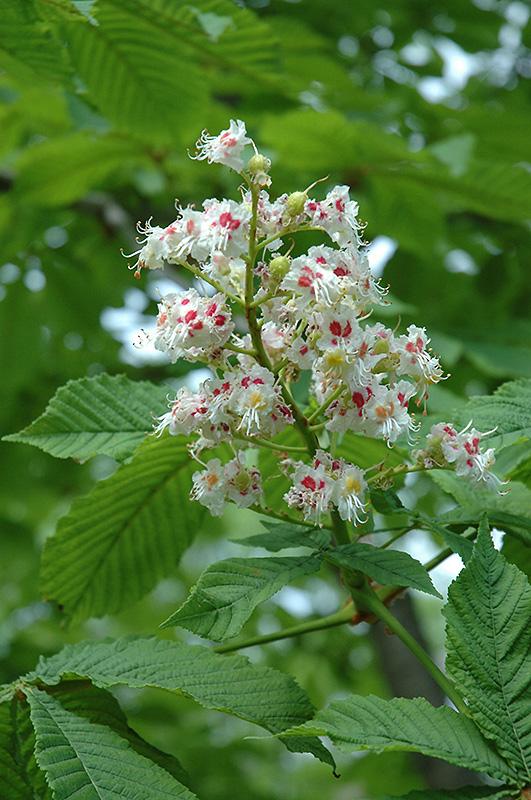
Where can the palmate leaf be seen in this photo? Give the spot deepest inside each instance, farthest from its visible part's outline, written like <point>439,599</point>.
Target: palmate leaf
<point>488,636</point>
<point>223,683</point>
<point>89,760</point>
<point>125,535</point>
<point>227,593</point>
<point>370,723</point>
<point>388,567</point>
<point>107,415</point>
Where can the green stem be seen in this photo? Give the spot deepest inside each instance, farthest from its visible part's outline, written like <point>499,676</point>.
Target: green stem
<point>394,538</point>
<point>371,601</point>
<point>331,621</point>
<point>280,448</point>
<point>207,279</point>
<point>322,408</point>
<point>234,349</point>
<point>282,515</point>
<point>286,232</point>
<point>344,615</point>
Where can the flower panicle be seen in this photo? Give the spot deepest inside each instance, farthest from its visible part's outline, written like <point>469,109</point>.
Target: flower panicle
<point>307,312</point>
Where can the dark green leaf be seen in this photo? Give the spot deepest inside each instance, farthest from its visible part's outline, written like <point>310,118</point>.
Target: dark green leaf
<point>489,634</point>
<point>125,535</point>
<point>387,567</point>
<point>107,415</point>
<point>283,535</point>
<point>370,723</point>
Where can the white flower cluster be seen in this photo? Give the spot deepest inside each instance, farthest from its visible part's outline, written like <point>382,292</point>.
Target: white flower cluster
<point>326,483</point>
<point>232,481</point>
<point>446,447</point>
<point>244,403</point>
<point>192,327</point>
<point>307,312</point>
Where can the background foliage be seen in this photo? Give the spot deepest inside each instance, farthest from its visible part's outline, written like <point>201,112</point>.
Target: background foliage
<point>422,109</point>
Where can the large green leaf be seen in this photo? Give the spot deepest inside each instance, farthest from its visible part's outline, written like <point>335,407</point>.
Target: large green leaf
<point>98,705</point>
<point>388,567</point>
<point>89,760</point>
<point>144,61</point>
<point>489,633</point>
<point>370,723</point>
<point>127,533</point>
<point>224,683</point>
<point>135,70</point>
<point>57,171</point>
<point>495,189</point>
<point>27,48</point>
<point>228,592</point>
<point>101,415</point>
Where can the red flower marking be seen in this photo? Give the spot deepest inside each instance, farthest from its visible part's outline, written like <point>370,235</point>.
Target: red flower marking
<point>226,220</point>
<point>309,483</point>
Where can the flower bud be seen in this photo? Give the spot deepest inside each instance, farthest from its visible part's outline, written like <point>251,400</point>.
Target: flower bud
<point>295,203</point>
<point>381,346</point>
<point>258,164</point>
<point>278,267</point>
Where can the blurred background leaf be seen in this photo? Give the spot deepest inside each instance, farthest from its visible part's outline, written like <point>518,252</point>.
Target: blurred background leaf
<point>423,110</point>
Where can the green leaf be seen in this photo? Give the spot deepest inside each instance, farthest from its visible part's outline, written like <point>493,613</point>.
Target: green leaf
<point>61,170</point>
<point>228,592</point>
<point>464,793</point>
<point>28,50</point>
<point>386,501</point>
<point>517,553</point>
<point>13,779</point>
<point>463,547</point>
<point>387,567</point>
<point>511,511</point>
<point>129,532</point>
<point>488,636</point>
<point>494,189</point>
<point>370,723</point>
<point>223,683</point>
<point>366,452</point>
<point>283,535</point>
<point>20,777</point>
<point>508,409</point>
<point>135,70</point>
<point>83,758</point>
<point>98,705</point>
<point>107,415</point>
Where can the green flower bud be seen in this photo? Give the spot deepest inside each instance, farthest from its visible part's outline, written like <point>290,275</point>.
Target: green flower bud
<point>258,164</point>
<point>278,267</point>
<point>295,203</point>
<point>381,346</point>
